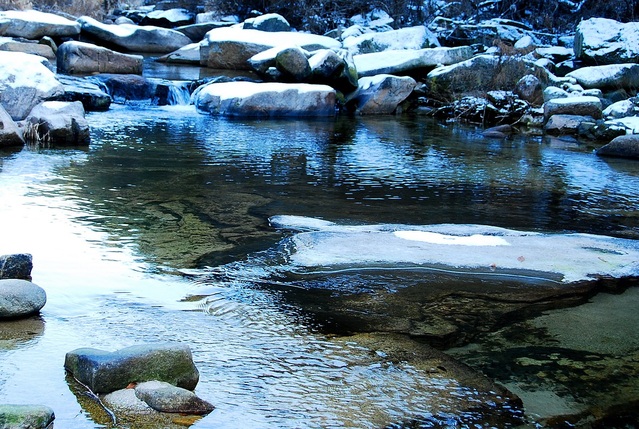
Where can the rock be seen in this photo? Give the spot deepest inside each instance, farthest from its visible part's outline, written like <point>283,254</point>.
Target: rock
<point>196,32</point>
<point>10,135</point>
<point>105,372</point>
<point>525,44</point>
<point>410,38</point>
<point>266,99</point>
<point>230,48</point>
<point>86,58</point>
<point>271,22</point>
<point>168,18</point>
<point>626,146</point>
<point>16,266</point>
<point>552,92</point>
<point>189,54</point>
<point>381,94</point>
<point>126,88</point>
<point>556,54</point>
<point>165,397</point>
<point>123,20</point>
<point>91,95</point>
<point>621,109</point>
<point>57,123</point>
<point>26,46</point>
<point>499,132</point>
<point>485,33</point>
<point>125,401</point>
<point>24,82</point>
<point>583,106</point>
<point>34,25</point>
<point>134,38</point>
<point>409,61</point>
<point>26,417</point>
<point>601,41</point>
<point>613,76</point>
<point>293,64</point>
<point>566,124</point>
<point>20,298</point>
<point>530,89</point>
<point>335,69</point>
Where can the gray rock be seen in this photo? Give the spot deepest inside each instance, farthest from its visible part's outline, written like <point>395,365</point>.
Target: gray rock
<point>26,417</point>
<point>26,46</point>
<point>613,76</point>
<point>626,146</point>
<point>552,92</point>
<point>165,397</point>
<point>381,94</point>
<point>10,135</point>
<point>270,22</point>
<point>566,124</point>
<point>189,54</point>
<point>270,99</point>
<point>325,65</point>
<point>105,372</point>
<point>57,123</point>
<point>293,64</point>
<point>25,81</point>
<point>125,401</point>
<point>170,18</point>
<point>16,266</point>
<point>32,24</point>
<point>230,48</point>
<point>91,95</point>
<point>20,298</point>
<point>620,109</point>
<point>529,88</point>
<point>582,106</point>
<point>407,61</point>
<point>135,38</point>
<point>86,58</point>
<point>410,38</point>
<point>600,41</point>
<point>196,32</point>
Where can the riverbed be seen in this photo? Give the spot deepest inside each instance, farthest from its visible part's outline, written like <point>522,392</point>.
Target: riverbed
<point>159,231</point>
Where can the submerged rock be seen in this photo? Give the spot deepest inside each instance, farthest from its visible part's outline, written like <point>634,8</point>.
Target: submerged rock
<point>26,417</point>
<point>105,372</point>
<point>20,298</point>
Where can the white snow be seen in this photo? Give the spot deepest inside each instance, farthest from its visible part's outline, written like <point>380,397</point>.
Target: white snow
<point>436,238</point>
<point>272,39</point>
<point>37,16</point>
<point>18,69</point>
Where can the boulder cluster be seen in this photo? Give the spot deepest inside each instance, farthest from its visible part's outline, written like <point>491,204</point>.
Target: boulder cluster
<point>495,73</point>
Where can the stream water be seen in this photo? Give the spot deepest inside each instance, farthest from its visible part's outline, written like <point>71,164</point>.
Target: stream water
<point>159,232</point>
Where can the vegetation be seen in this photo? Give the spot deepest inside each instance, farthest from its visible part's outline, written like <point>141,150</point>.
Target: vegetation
<point>320,16</point>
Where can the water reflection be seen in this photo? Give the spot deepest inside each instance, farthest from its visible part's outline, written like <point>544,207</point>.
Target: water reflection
<point>20,333</point>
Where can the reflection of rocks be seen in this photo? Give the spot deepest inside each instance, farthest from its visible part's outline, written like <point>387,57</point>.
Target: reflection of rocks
<point>17,332</point>
<point>26,417</point>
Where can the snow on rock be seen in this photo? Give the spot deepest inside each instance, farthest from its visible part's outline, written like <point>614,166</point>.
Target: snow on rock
<point>583,106</point>
<point>272,99</point>
<point>621,109</point>
<point>268,22</point>
<point>189,54</point>
<point>403,61</point>
<point>613,76</point>
<point>380,94</point>
<point>405,38</point>
<point>25,81</point>
<point>135,38</point>
<point>469,248</point>
<point>606,41</point>
<point>32,24</point>
<point>168,18</point>
<point>230,48</point>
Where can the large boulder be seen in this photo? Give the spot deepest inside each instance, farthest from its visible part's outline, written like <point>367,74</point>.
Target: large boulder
<point>409,61</point>
<point>405,38</point>
<point>57,123</point>
<point>131,88</point>
<point>105,372</point>
<point>381,94</point>
<point>266,99</point>
<point>612,76</point>
<point>626,146</point>
<point>24,82</point>
<point>32,24</point>
<point>600,41</point>
<point>16,266</point>
<point>85,58</point>
<point>270,22</point>
<point>10,135</point>
<point>134,38</point>
<point>230,48</point>
<point>90,94</point>
<point>26,417</point>
<point>291,63</point>
<point>20,298</point>
<point>26,46</point>
<point>582,106</point>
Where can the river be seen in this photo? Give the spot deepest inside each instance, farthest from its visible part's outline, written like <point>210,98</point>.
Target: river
<point>159,231</point>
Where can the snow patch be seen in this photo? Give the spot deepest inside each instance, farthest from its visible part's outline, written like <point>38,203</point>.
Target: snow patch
<point>436,238</point>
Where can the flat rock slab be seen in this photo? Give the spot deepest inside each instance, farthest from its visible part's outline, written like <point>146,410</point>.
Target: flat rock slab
<point>565,258</point>
<point>249,99</point>
<point>34,25</point>
<point>613,76</point>
<point>105,372</point>
<point>26,417</point>
<point>20,298</point>
<point>582,105</point>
